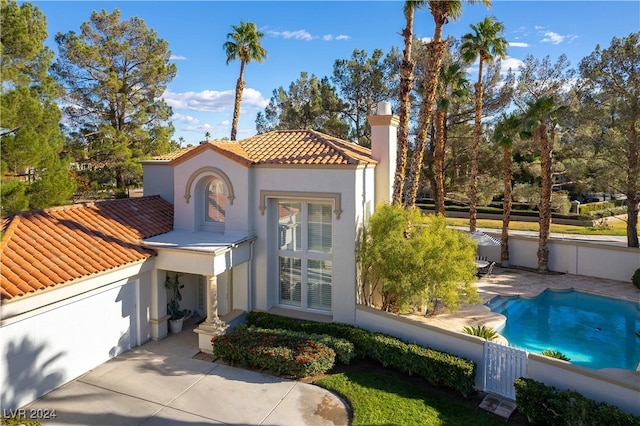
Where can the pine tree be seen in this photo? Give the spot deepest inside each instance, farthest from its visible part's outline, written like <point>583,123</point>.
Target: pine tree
<point>33,173</point>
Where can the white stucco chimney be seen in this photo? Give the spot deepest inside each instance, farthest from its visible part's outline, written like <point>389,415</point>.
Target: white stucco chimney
<point>384,137</point>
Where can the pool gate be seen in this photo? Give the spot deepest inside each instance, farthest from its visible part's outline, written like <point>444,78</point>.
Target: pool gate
<point>502,365</point>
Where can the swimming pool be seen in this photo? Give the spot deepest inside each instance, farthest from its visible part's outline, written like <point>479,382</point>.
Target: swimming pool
<point>593,331</point>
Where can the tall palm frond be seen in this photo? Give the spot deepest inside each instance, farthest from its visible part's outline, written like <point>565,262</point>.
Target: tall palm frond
<point>485,43</point>
<point>243,44</point>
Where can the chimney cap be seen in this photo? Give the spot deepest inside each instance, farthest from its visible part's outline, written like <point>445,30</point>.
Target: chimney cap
<point>384,108</point>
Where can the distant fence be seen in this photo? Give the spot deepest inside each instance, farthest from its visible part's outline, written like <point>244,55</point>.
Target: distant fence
<point>599,386</point>
<point>576,257</point>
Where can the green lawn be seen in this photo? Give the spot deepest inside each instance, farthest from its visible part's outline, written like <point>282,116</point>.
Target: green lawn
<point>616,227</point>
<point>378,397</point>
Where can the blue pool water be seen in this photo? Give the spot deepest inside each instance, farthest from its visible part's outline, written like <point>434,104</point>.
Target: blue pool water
<point>593,331</point>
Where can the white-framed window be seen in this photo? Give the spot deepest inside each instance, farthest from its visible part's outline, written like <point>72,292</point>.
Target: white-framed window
<point>305,254</point>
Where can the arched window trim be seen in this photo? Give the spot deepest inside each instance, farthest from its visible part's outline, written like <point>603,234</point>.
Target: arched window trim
<point>209,170</point>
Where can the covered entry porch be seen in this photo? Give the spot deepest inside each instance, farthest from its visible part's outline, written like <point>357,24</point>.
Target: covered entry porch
<point>218,273</point>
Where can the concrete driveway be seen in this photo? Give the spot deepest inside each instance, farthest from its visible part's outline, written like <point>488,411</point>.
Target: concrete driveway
<point>162,383</point>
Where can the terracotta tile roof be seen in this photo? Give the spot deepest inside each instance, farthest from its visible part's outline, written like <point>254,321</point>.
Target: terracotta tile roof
<point>284,147</point>
<point>174,154</point>
<point>45,248</point>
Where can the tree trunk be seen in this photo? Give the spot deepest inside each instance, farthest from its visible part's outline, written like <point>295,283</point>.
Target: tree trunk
<point>435,52</point>
<point>236,106</point>
<point>506,206</point>
<point>546,152</point>
<point>632,188</point>
<point>406,85</point>
<point>632,218</point>
<point>438,162</point>
<point>473,185</point>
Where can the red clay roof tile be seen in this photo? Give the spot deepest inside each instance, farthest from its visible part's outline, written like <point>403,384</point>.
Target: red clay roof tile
<point>283,147</point>
<point>47,248</point>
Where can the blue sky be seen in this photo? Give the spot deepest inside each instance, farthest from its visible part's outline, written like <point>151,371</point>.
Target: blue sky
<point>310,35</point>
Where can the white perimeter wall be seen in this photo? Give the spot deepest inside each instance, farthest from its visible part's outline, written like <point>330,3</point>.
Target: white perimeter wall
<point>46,348</point>
<point>599,386</point>
<point>572,257</point>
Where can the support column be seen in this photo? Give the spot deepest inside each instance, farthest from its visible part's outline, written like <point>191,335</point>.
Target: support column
<point>213,325</point>
<point>212,299</point>
<point>158,307</point>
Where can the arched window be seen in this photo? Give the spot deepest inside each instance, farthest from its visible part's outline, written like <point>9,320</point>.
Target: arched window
<point>215,202</point>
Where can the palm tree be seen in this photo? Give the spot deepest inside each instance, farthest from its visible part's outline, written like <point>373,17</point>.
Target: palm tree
<point>485,44</point>
<point>504,135</point>
<point>243,44</point>
<point>406,85</point>
<point>541,121</point>
<point>453,84</point>
<point>442,11</point>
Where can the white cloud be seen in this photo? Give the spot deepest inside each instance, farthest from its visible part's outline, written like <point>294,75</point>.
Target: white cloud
<point>177,58</point>
<point>297,35</point>
<point>330,37</point>
<point>510,62</point>
<point>518,44</point>
<point>425,39</point>
<point>212,100</point>
<point>181,118</point>
<point>552,37</point>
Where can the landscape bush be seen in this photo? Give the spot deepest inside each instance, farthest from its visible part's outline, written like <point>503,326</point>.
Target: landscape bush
<point>635,279</point>
<point>18,421</point>
<point>544,404</point>
<point>486,333</point>
<point>279,353</point>
<point>344,349</point>
<point>552,353</point>
<point>587,213</point>
<point>438,368</point>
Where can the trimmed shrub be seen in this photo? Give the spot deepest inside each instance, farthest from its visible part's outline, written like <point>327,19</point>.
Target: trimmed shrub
<point>544,404</point>
<point>18,421</point>
<point>635,279</point>
<point>438,368</point>
<point>281,354</point>
<point>343,348</point>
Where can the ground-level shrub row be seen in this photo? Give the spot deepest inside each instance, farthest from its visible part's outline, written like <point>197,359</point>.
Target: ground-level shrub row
<point>544,404</point>
<point>438,368</point>
<point>344,349</point>
<point>280,353</point>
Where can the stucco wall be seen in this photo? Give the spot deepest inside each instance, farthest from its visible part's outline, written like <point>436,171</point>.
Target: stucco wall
<point>237,214</point>
<point>355,193</point>
<point>576,257</point>
<point>599,386</point>
<point>157,179</point>
<point>46,348</point>
<point>411,331</point>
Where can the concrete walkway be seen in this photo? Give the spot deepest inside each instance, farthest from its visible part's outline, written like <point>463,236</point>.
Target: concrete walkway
<point>161,383</point>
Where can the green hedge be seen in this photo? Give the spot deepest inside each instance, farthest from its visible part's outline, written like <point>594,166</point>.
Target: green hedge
<point>544,404</point>
<point>588,212</point>
<point>18,421</point>
<point>279,353</point>
<point>439,368</point>
<point>344,349</point>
